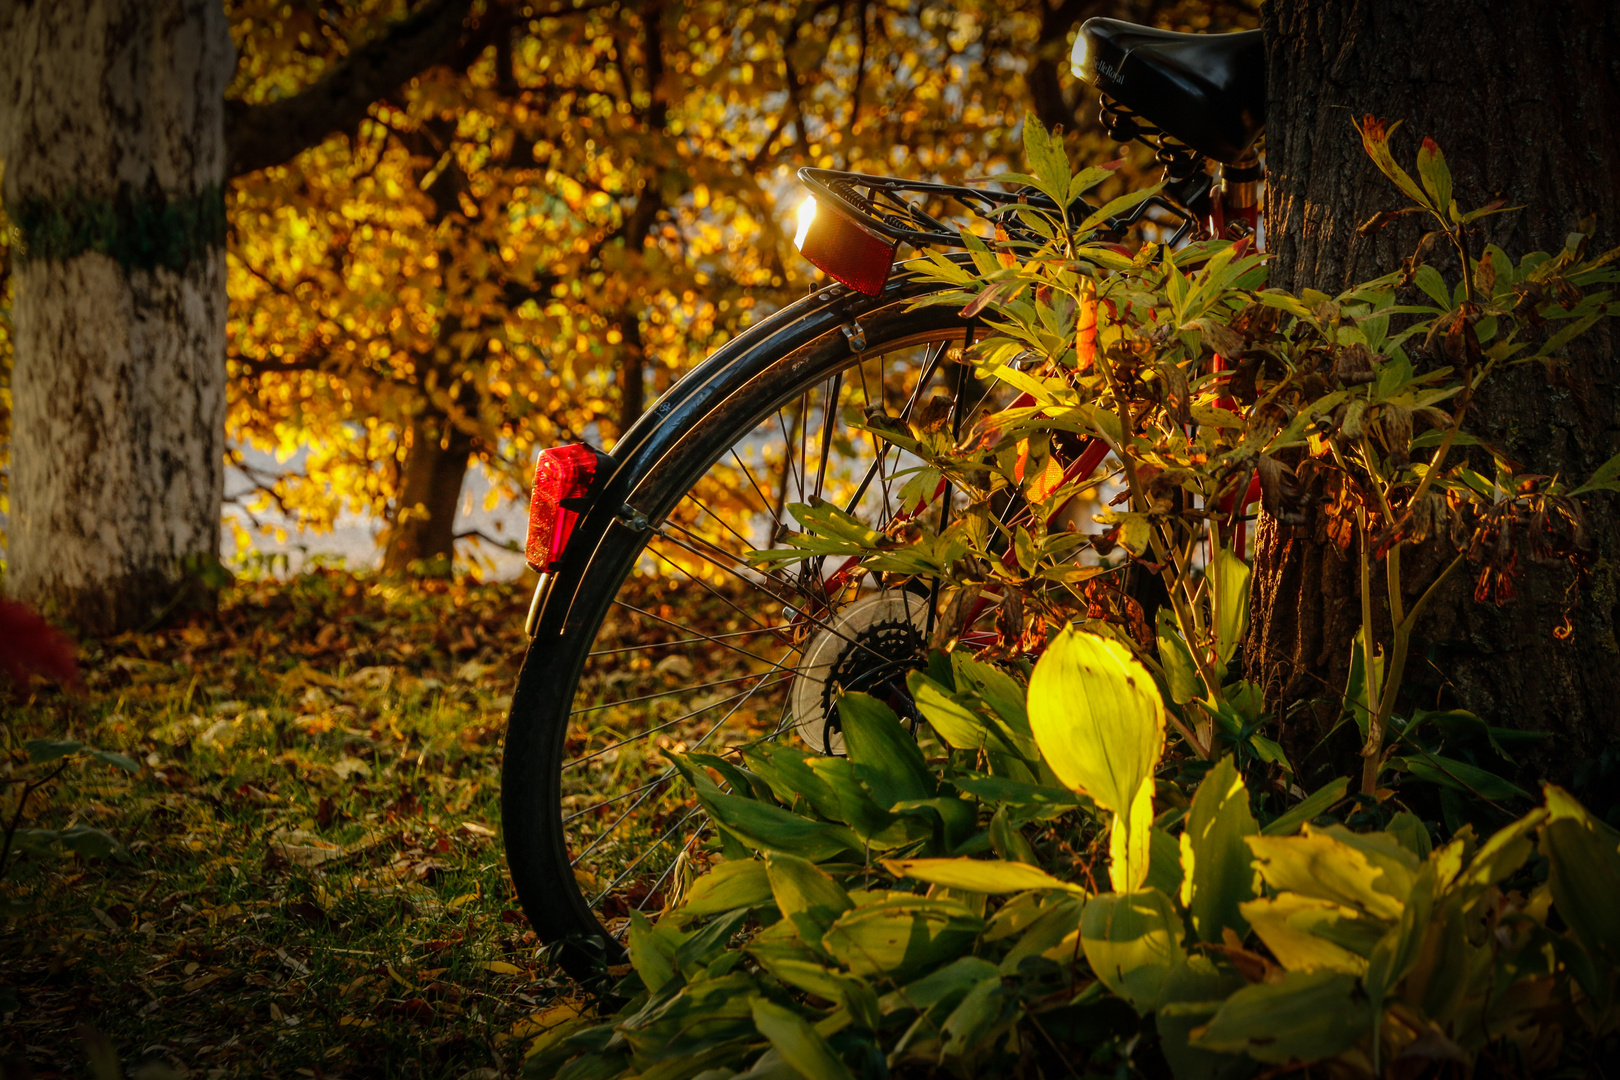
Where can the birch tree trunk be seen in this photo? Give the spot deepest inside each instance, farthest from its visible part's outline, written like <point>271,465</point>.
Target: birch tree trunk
<point>1523,99</point>
<point>113,142</point>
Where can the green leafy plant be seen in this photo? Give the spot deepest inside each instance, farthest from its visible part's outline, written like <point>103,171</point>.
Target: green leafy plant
<point>40,764</point>
<point>1014,896</point>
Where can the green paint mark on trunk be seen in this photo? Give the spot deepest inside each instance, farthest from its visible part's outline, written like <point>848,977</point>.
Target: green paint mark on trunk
<point>140,231</point>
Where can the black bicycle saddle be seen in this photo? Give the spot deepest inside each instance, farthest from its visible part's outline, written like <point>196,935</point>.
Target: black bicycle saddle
<point>1207,90</point>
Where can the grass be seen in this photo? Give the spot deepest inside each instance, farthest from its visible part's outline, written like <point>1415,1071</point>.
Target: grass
<point>314,884</point>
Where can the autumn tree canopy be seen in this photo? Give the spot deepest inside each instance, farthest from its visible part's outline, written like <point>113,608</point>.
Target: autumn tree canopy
<point>535,235</point>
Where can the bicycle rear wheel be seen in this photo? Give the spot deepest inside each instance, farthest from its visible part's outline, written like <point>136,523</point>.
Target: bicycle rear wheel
<point>661,637</point>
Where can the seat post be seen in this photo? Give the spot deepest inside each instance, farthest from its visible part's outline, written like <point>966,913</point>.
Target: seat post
<point>1237,209</point>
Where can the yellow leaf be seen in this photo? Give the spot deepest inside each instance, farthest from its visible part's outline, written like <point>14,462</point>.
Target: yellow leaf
<point>978,875</point>
<point>501,967</point>
<point>1129,841</point>
<point>1097,717</point>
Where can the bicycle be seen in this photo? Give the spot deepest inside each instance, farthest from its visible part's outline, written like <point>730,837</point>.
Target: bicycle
<point>596,824</point>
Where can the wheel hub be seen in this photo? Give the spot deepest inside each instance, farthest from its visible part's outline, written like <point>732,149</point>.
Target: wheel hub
<point>869,647</point>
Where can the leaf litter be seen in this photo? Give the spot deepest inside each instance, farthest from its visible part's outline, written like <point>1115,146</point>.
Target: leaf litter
<point>314,885</point>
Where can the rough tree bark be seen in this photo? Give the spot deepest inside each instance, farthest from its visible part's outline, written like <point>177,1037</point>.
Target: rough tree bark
<point>112,134</point>
<point>1523,98</point>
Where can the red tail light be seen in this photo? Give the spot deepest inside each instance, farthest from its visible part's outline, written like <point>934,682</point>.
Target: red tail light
<point>562,476</point>
<point>845,249</point>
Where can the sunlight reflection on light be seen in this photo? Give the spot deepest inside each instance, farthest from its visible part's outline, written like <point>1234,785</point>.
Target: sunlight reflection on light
<point>807,214</point>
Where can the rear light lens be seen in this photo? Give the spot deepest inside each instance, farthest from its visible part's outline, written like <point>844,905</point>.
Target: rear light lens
<point>847,250</point>
<point>563,475</point>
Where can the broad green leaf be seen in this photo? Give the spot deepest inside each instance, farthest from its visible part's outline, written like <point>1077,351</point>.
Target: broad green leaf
<point>1306,934</point>
<point>997,789</point>
<point>806,894</point>
<point>737,883</point>
<point>1047,159</point>
<point>770,828</point>
<point>113,758</point>
<point>1396,952</point>
<point>952,719</point>
<point>1460,776</point>
<point>884,753</point>
<point>92,843</point>
<point>1584,857</point>
<point>1132,941</point>
<point>1607,478</point>
<point>1180,673</point>
<point>1115,207</point>
<point>1007,839</point>
<point>1217,868</point>
<point>896,938</point>
<point>41,751</point>
<point>788,772</point>
<point>798,1043</point>
<point>943,987</point>
<point>1336,864</point>
<point>705,945</point>
<point>1055,930</point>
<point>1307,1016</point>
<point>1408,828</point>
<point>979,875</point>
<point>1501,855</point>
<point>652,952</point>
<point>1192,992</point>
<point>1436,176</point>
<point>852,800</point>
<point>1230,578</point>
<point>990,1005</point>
<point>1315,805</point>
<point>1097,717</point>
<point>1164,862</point>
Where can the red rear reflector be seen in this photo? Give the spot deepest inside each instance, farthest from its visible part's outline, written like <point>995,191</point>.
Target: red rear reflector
<point>562,473</point>
<point>847,250</point>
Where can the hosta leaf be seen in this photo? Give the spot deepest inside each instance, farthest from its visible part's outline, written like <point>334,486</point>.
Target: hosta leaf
<point>978,875</point>
<point>1315,805</point>
<point>1097,717</point>
<point>737,883</point>
<point>41,751</point>
<point>799,1043</point>
<point>1130,842</point>
<point>1230,577</point>
<point>898,938</point>
<point>884,753</point>
<point>988,1006</point>
<point>1584,857</point>
<point>806,895</point>
<point>770,828</point>
<point>1307,1016</point>
<point>652,952</point>
<point>1131,942</point>
<point>1308,934</point>
<point>1180,673</point>
<point>1217,866</point>
<point>1335,864</point>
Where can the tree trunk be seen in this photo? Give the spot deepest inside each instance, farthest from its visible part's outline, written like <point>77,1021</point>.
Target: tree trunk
<point>423,529</point>
<point>112,135</point>
<point>1522,98</point>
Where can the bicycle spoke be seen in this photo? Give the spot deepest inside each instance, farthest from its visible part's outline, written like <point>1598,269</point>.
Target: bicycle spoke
<point>636,805</point>
<point>679,719</point>
<point>689,641</point>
